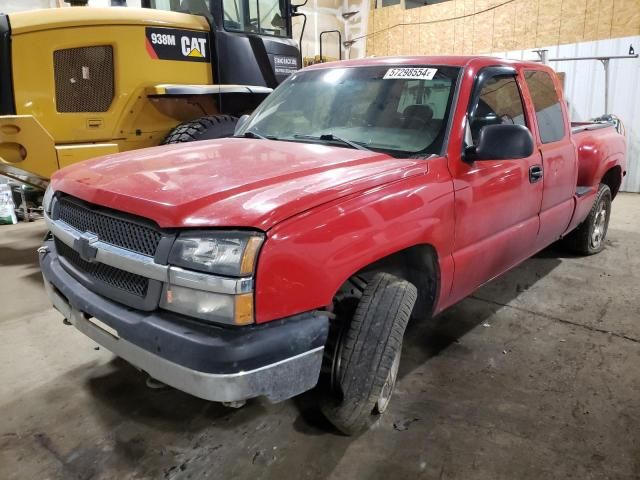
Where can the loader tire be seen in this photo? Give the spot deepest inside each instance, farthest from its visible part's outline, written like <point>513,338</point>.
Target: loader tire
<point>204,128</point>
<point>589,237</point>
<point>366,354</point>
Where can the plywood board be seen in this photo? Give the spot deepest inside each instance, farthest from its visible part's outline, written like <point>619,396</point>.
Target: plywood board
<point>432,43</point>
<point>572,21</point>
<point>592,16</point>
<point>482,32</point>
<point>411,40</point>
<point>446,33</point>
<point>475,26</point>
<point>605,18</point>
<point>467,40</point>
<point>504,28</point>
<point>548,29</point>
<point>458,37</point>
<point>526,13</point>
<point>626,18</point>
<point>395,32</point>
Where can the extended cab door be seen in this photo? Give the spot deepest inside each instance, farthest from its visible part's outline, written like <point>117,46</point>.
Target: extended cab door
<point>496,201</point>
<point>559,159</point>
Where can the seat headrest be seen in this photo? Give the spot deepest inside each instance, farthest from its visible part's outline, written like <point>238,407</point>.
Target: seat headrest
<point>422,111</point>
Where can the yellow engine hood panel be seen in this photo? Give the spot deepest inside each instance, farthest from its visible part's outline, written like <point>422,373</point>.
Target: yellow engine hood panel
<point>56,18</point>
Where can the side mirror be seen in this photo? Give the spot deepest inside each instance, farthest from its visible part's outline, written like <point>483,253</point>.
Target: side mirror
<point>240,123</point>
<point>501,142</point>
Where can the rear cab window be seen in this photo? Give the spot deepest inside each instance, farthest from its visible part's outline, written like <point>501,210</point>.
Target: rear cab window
<point>549,116</point>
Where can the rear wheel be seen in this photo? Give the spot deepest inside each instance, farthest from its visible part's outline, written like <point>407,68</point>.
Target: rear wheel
<point>204,128</point>
<point>364,354</point>
<point>589,237</point>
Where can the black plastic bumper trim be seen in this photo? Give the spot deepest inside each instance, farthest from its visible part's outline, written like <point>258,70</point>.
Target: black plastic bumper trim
<point>190,343</point>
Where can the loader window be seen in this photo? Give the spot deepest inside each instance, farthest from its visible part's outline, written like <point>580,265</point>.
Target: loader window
<point>263,17</point>
<point>195,7</point>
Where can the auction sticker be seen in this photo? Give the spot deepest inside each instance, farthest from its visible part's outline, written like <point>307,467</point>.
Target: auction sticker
<point>410,73</point>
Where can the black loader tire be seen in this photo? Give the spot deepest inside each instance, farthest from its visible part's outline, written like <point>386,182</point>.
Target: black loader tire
<point>368,352</point>
<point>581,240</point>
<point>203,128</point>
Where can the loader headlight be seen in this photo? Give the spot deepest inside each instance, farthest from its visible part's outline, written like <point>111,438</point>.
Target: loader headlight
<point>224,253</point>
<point>46,200</point>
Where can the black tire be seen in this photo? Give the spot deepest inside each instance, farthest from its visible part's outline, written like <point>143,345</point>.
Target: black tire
<point>367,351</point>
<point>585,239</point>
<point>204,128</point>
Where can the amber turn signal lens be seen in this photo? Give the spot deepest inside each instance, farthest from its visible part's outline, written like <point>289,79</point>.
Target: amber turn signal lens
<point>249,257</point>
<point>244,309</point>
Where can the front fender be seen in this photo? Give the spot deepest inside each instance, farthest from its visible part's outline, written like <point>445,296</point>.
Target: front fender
<point>306,258</point>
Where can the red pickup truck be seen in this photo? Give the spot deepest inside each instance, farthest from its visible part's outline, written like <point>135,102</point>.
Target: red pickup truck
<point>358,195</point>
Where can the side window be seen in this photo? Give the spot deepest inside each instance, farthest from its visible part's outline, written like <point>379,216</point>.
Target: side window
<point>500,102</point>
<point>547,104</point>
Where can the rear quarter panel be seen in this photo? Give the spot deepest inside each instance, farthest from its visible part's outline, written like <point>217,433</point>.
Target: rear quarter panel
<point>306,259</point>
<point>598,151</point>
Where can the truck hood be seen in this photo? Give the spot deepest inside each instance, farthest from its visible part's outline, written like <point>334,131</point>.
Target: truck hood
<point>230,182</point>
<point>56,18</point>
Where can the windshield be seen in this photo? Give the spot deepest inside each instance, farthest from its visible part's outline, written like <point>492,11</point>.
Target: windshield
<point>401,111</point>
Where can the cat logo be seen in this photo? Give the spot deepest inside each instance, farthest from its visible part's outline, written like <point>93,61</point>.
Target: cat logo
<point>193,47</point>
<point>175,44</point>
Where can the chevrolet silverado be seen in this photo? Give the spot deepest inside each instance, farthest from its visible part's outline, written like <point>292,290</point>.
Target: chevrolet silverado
<point>358,195</point>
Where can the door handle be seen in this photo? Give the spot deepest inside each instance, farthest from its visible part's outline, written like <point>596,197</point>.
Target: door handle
<point>535,173</point>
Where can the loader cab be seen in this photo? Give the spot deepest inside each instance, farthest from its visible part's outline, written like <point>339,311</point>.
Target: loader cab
<point>251,39</point>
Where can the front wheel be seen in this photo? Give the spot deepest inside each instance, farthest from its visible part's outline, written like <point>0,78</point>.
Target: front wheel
<point>589,237</point>
<point>204,128</point>
<point>365,354</point>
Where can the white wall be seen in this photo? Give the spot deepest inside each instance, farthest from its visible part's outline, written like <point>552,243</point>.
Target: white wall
<point>107,3</point>
<point>584,88</point>
<point>10,6</point>
<point>325,15</point>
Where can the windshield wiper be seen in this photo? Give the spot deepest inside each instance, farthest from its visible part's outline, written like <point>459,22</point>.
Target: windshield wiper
<point>250,134</point>
<point>329,137</point>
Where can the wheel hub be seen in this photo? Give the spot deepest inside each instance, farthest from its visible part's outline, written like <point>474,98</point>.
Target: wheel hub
<point>599,225</point>
<point>389,384</point>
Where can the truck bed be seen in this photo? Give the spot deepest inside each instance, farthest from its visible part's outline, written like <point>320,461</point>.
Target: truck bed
<point>577,127</point>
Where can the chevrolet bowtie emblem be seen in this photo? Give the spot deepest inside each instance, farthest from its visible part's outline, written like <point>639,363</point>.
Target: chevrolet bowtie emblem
<point>84,246</point>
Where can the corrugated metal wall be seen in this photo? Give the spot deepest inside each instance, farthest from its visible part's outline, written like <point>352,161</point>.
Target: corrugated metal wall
<point>584,88</point>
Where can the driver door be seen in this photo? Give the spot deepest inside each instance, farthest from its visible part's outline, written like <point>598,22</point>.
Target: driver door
<point>497,202</point>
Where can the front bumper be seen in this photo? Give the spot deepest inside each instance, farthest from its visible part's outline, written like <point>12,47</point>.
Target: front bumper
<point>277,360</point>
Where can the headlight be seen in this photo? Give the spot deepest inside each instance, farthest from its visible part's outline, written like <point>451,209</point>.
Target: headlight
<point>230,253</point>
<point>209,306</point>
<point>224,253</point>
<point>46,200</point>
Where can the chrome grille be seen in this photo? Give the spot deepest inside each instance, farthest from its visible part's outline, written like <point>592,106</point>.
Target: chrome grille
<point>84,79</point>
<point>110,229</point>
<point>114,277</point>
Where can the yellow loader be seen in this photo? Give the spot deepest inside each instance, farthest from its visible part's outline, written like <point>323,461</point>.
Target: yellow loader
<point>76,83</point>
